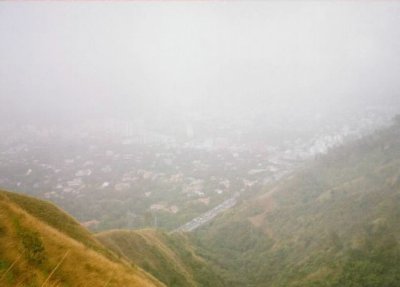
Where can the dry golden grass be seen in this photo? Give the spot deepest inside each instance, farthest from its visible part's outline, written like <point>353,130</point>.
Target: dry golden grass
<point>59,259</point>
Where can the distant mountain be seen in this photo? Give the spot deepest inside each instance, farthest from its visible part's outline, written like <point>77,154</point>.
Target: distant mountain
<point>336,222</point>
<point>40,245</point>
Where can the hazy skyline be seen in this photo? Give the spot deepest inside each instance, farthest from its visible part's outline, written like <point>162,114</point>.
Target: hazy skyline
<point>93,59</point>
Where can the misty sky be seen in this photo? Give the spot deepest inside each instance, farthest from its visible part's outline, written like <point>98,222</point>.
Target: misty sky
<point>93,59</point>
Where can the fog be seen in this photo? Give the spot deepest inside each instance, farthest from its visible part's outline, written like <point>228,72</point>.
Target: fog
<point>207,143</point>
<point>76,61</point>
<point>133,114</point>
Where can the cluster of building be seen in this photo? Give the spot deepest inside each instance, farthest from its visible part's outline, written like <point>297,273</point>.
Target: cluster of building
<point>152,171</point>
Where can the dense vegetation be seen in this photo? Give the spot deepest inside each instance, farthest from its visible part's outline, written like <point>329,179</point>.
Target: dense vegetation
<point>171,258</point>
<point>334,223</point>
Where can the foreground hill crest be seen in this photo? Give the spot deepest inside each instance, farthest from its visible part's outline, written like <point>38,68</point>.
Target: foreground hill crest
<point>42,246</point>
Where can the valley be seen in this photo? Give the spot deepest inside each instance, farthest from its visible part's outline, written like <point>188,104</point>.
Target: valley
<point>121,174</point>
<point>199,143</point>
<point>332,222</point>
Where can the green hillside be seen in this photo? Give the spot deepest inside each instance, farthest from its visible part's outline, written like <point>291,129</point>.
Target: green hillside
<point>336,222</point>
<point>42,246</point>
<point>170,258</point>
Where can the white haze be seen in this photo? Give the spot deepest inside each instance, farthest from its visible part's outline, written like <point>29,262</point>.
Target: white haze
<point>81,60</point>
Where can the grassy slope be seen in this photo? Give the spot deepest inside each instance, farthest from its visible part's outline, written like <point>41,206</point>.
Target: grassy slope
<point>55,217</point>
<point>170,258</point>
<point>335,223</point>
<point>35,236</point>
